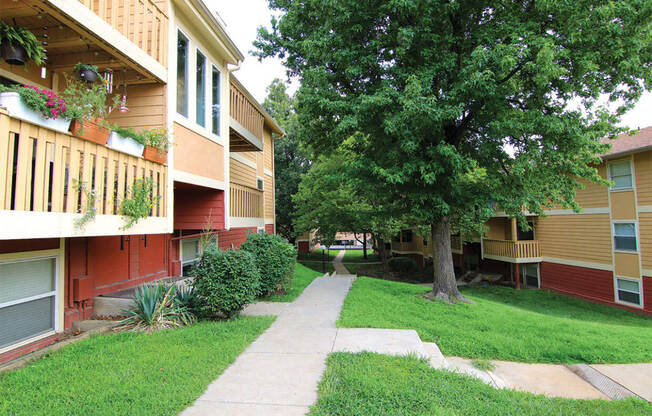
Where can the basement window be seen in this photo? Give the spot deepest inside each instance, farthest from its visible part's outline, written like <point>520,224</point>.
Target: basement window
<point>190,254</point>
<point>629,291</point>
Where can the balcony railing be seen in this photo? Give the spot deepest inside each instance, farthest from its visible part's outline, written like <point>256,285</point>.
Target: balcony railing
<point>140,21</point>
<point>244,112</point>
<point>245,202</point>
<point>39,170</point>
<point>456,243</point>
<point>512,251</point>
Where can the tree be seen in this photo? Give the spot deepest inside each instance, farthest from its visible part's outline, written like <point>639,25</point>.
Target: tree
<point>335,196</point>
<point>290,160</point>
<point>438,94</point>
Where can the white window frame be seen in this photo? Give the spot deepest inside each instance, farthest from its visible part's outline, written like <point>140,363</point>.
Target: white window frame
<point>196,259</point>
<point>631,173</point>
<point>213,66</point>
<point>190,121</point>
<point>261,230</point>
<point>636,236</point>
<point>188,83</point>
<point>523,273</point>
<point>54,293</point>
<point>258,178</point>
<point>639,282</point>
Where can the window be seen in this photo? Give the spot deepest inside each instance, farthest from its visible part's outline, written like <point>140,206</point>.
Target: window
<point>260,230</point>
<point>625,236</point>
<point>189,256</point>
<point>629,291</point>
<point>200,96</point>
<point>529,274</point>
<point>27,299</point>
<point>261,184</point>
<point>215,101</point>
<point>525,235</point>
<point>182,74</point>
<point>621,174</point>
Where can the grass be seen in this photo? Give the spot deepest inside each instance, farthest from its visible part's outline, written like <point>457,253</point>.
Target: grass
<point>483,364</point>
<point>504,324</point>
<point>129,373</point>
<point>317,266</point>
<point>316,255</point>
<point>372,384</point>
<point>303,276</point>
<point>356,256</point>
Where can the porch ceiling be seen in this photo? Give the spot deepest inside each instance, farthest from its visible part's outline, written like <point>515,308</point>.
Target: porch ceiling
<point>69,43</point>
<point>238,143</point>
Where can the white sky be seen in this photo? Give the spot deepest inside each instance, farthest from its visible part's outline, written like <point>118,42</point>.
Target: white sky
<point>243,17</point>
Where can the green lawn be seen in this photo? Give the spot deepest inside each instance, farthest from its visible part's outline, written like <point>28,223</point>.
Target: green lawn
<point>128,373</point>
<point>371,384</point>
<point>303,276</point>
<point>318,266</point>
<point>356,256</point>
<point>504,324</point>
<point>329,255</point>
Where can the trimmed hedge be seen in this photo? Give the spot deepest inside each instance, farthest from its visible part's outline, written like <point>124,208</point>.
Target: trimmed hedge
<point>402,264</point>
<point>275,259</point>
<point>225,282</point>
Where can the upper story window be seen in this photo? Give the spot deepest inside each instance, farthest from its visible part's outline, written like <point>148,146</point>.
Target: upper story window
<point>216,86</point>
<point>625,236</point>
<point>182,74</point>
<point>200,96</point>
<point>621,174</point>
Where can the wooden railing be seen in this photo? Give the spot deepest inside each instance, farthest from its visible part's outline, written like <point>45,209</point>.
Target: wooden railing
<point>511,249</point>
<point>244,111</point>
<point>40,170</point>
<point>140,21</point>
<point>245,201</point>
<point>456,242</point>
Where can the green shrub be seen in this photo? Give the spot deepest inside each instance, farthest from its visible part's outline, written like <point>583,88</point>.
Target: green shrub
<point>157,306</point>
<point>225,282</point>
<point>402,264</point>
<point>275,259</point>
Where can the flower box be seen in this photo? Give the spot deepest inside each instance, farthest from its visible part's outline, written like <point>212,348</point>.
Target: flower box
<point>12,102</point>
<point>152,154</point>
<point>92,131</point>
<point>125,144</point>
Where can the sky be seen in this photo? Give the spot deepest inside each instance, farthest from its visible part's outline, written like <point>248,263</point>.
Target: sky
<point>243,17</point>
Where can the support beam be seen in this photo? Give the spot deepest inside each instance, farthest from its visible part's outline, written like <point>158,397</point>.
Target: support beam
<point>514,230</point>
<point>518,276</point>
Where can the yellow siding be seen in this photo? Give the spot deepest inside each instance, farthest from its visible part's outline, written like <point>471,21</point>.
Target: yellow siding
<point>576,237</point>
<point>645,230</point>
<point>643,169</point>
<point>269,197</point>
<point>623,205</point>
<point>594,195</point>
<point>243,174</point>
<point>194,153</point>
<point>146,107</point>
<point>268,152</point>
<point>498,229</point>
<point>627,265</point>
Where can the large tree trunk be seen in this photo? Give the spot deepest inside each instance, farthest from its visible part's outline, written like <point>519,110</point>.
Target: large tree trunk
<point>444,286</point>
<point>383,255</point>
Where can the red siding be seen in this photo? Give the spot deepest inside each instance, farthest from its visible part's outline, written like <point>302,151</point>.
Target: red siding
<point>193,206</point>
<point>269,229</point>
<point>15,246</point>
<point>303,247</point>
<point>592,284</point>
<point>647,294</point>
<point>26,349</point>
<point>233,237</point>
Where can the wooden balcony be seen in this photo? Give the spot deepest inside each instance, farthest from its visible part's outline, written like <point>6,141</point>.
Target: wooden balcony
<point>38,172</point>
<point>526,251</point>
<point>245,202</point>
<point>456,244</point>
<point>246,126</point>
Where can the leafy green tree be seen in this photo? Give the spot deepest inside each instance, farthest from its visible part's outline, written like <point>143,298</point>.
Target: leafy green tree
<point>445,93</point>
<point>290,160</point>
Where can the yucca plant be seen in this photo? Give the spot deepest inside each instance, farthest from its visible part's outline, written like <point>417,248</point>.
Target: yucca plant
<point>156,307</point>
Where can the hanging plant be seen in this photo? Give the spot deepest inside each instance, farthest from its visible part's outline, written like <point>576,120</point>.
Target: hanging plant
<point>18,44</point>
<point>140,202</point>
<point>86,72</point>
<point>89,211</point>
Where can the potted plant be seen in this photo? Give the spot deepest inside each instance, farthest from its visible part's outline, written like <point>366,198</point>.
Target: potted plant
<point>156,145</point>
<point>18,44</point>
<point>126,140</point>
<point>87,105</point>
<point>37,106</point>
<point>88,73</point>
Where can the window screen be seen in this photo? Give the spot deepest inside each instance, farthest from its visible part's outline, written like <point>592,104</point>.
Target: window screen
<point>621,174</point>
<point>629,291</point>
<point>182,74</point>
<point>215,101</point>
<point>625,236</point>
<point>200,97</point>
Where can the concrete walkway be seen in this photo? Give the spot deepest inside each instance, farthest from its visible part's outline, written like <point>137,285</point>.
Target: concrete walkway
<point>337,263</point>
<point>279,372</point>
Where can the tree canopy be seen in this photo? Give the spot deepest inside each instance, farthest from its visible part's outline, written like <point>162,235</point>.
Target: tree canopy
<point>461,105</point>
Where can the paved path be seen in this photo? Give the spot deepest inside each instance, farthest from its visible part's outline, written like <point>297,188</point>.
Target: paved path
<point>337,263</point>
<point>279,372</point>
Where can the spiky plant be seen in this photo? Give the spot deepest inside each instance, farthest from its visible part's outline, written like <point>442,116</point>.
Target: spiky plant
<point>156,307</point>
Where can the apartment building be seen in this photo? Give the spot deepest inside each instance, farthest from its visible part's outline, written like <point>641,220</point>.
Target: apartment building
<point>173,62</point>
<point>602,254</point>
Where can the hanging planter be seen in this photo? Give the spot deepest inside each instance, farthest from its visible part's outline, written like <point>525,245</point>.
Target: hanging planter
<point>88,73</point>
<point>40,107</point>
<point>93,131</point>
<point>125,144</point>
<point>19,44</point>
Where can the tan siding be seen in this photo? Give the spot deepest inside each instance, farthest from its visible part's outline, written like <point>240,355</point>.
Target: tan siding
<point>243,174</point>
<point>643,169</point>
<point>626,265</point>
<point>194,153</point>
<point>645,230</point>
<point>268,151</point>
<point>146,107</point>
<point>576,237</point>
<point>623,205</point>
<point>594,195</point>
<point>269,197</point>
<point>498,229</point>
